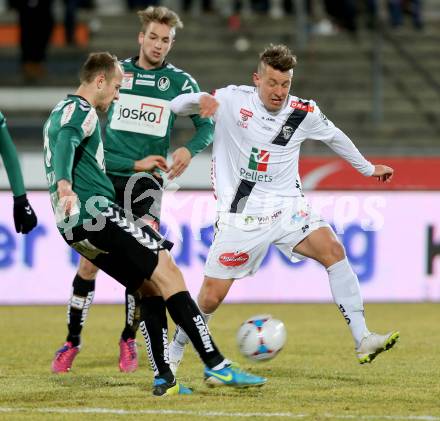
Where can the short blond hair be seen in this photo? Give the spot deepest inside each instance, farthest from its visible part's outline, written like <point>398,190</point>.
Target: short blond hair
<point>159,14</point>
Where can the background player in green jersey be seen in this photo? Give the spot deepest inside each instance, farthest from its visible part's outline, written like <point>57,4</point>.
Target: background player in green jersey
<point>139,126</point>
<point>109,236</point>
<point>24,216</point>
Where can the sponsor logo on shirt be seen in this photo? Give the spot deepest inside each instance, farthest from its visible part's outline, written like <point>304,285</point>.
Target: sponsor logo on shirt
<point>142,76</point>
<point>144,82</point>
<point>303,106</point>
<point>163,83</point>
<point>233,259</point>
<point>262,220</point>
<point>127,81</point>
<point>258,160</point>
<point>299,216</point>
<point>68,111</point>
<point>89,124</point>
<point>140,114</point>
<point>245,114</point>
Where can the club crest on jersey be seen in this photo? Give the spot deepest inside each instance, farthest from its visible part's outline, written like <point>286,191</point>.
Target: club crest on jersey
<point>163,83</point>
<point>258,160</point>
<point>287,132</point>
<point>127,81</point>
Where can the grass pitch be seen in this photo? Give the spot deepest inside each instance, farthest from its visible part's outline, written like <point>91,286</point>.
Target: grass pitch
<point>316,376</point>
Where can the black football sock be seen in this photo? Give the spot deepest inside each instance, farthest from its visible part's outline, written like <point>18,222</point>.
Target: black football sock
<point>78,307</point>
<point>154,328</point>
<point>186,314</point>
<point>132,315</point>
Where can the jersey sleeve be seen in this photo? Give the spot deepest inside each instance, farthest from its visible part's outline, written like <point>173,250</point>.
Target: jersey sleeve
<point>10,159</point>
<point>117,162</point>
<point>319,127</point>
<point>189,85</point>
<point>78,122</point>
<point>79,116</point>
<point>204,134</point>
<point>223,97</point>
<point>204,126</point>
<point>67,141</point>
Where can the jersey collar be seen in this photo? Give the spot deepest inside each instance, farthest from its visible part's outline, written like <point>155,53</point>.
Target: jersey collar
<point>135,59</point>
<point>78,96</point>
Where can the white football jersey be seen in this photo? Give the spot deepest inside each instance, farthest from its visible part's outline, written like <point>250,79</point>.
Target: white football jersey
<point>256,152</point>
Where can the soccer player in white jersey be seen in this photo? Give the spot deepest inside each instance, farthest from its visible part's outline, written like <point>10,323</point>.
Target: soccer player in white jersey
<point>257,138</point>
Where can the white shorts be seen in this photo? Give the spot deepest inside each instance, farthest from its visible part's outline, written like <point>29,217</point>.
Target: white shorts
<point>242,241</point>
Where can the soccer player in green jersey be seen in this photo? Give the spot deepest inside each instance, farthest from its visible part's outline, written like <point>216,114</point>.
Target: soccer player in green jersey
<point>139,126</point>
<point>110,237</point>
<point>24,216</point>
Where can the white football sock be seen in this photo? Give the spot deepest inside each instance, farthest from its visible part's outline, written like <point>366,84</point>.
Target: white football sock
<point>223,364</point>
<point>346,293</point>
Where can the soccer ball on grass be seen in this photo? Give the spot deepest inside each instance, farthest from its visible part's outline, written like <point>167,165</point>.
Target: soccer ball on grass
<point>261,337</point>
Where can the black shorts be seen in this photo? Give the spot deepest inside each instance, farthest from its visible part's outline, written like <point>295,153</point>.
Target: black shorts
<point>124,247</point>
<point>144,195</point>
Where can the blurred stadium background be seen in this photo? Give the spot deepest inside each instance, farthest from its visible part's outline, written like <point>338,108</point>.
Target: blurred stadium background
<point>376,77</point>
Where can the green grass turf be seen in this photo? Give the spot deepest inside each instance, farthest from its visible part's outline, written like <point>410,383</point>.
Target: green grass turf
<point>316,374</point>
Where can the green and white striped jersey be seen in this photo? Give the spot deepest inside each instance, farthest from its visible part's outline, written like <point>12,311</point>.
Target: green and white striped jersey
<point>73,151</point>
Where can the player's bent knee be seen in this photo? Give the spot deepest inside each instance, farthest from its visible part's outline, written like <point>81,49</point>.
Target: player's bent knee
<point>212,293</point>
<point>87,270</point>
<point>336,252</point>
<point>209,301</point>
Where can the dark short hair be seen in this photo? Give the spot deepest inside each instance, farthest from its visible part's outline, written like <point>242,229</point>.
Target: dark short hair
<point>279,57</point>
<point>96,63</point>
<point>159,14</point>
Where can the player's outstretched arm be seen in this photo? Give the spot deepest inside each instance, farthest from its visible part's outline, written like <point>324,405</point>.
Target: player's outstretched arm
<point>383,173</point>
<point>208,105</point>
<point>197,103</point>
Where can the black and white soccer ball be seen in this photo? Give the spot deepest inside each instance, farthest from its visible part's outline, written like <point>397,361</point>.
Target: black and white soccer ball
<point>261,337</point>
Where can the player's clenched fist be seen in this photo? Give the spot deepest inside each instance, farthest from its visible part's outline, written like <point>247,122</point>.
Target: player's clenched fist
<point>383,173</point>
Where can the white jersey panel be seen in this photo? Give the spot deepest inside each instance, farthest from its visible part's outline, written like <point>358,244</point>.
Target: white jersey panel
<point>256,152</point>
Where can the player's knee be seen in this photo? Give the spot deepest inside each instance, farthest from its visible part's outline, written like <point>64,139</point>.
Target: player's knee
<point>87,270</point>
<point>335,253</point>
<point>209,300</point>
